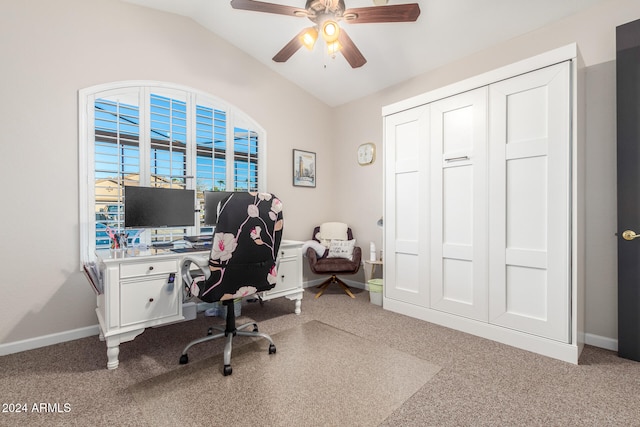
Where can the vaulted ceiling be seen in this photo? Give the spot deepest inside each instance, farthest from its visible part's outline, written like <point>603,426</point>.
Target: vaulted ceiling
<point>445,31</point>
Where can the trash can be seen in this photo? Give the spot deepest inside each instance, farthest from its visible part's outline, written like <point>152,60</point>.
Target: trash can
<point>375,291</point>
<point>220,310</point>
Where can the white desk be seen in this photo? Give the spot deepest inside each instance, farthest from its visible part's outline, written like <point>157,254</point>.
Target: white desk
<point>144,288</point>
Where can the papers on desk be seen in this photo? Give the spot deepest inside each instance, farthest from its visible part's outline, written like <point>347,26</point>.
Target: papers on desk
<point>92,273</point>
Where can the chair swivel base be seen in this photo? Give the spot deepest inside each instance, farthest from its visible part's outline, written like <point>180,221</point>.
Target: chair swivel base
<point>333,279</point>
<point>229,331</point>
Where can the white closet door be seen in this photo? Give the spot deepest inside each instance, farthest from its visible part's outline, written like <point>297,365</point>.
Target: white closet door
<point>530,199</point>
<point>459,204</point>
<point>406,216</point>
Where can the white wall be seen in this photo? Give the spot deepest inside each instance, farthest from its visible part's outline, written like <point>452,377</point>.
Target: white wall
<point>594,31</point>
<point>51,49</point>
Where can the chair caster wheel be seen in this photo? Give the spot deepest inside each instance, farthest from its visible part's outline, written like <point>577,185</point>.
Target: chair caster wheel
<point>255,328</point>
<point>184,359</point>
<point>227,370</point>
<point>272,349</point>
<point>209,331</point>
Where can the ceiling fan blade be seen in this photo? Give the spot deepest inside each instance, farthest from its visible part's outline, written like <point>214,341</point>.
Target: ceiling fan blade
<point>290,48</point>
<point>349,50</point>
<point>394,13</point>
<point>259,6</point>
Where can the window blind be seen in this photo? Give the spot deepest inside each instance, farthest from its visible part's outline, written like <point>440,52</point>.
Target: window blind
<point>142,133</point>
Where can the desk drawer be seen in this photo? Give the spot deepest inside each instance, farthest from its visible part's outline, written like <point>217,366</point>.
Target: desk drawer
<point>149,268</point>
<point>147,300</point>
<point>288,252</point>
<point>287,276</point>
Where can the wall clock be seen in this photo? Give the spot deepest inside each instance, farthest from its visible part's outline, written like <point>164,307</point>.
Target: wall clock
<point>366,153</point>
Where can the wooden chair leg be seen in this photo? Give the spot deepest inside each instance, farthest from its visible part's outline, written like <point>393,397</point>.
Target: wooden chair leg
<point>345,287</point>
<point>319,294</point>
<point>323,286</point>
<point>347,290</point>
<point>333,279</point>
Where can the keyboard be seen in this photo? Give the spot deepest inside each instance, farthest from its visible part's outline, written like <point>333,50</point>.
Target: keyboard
<point>196,249</point>
<point>201,238</point>
<point>162,245</point>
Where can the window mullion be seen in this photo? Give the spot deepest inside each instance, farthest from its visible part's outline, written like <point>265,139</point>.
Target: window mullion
<point>262,162</point>
<point>145,137</point>
<point>191,153</point>
<point>230,152</point>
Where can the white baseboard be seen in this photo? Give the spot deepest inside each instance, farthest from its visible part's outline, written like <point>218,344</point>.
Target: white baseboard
<point>46,340</point>
<point>602,342</point>
<point>312,283</point>
<point>355,284</point>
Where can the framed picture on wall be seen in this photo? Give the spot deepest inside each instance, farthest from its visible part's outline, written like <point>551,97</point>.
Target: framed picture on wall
<point>304,168</point>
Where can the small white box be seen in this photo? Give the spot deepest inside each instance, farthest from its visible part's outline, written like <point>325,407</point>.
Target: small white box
<point>189,310</point>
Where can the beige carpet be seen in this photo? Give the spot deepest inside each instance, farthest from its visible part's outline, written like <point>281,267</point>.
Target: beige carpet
<point>335,369</point>
<point>481,383</point>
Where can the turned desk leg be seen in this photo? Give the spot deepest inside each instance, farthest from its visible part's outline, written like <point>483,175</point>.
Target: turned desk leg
<point>112,355</point>
<point>113,346</point>
<point>297,298</point>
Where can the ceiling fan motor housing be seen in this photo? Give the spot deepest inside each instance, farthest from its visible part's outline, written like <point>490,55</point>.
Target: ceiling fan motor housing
<point>321,7</point>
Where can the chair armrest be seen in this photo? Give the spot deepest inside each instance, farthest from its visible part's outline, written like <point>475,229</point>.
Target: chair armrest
<point>356,258</point>
<point>312,255</point>
<point>357,255</point>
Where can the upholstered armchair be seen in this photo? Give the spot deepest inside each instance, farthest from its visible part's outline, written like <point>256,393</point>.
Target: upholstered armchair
<point>334,253</point>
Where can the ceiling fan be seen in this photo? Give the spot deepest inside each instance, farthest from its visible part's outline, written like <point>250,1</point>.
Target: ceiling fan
<point>325,14</point>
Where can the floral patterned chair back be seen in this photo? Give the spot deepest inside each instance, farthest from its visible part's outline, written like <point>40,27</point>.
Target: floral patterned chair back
<point>244,248</point>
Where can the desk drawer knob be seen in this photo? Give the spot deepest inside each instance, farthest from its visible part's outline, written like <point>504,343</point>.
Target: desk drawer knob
<point>150,267</point>
<point>150,299</point>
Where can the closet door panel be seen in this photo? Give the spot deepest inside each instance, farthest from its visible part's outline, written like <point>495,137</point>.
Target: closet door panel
<point>407,249</point>
<point>529,209</point>
<point>406,214</point>
<point>526,202</point>
<point>458,205</point>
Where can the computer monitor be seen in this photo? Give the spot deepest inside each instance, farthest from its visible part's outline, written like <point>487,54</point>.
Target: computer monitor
<point>153,207</point>
<point>211,201</point>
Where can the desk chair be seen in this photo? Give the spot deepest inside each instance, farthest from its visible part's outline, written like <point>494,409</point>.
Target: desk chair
<point>242,262</point>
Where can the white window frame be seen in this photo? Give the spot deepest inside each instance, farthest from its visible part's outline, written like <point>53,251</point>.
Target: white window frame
<point>86,144</point>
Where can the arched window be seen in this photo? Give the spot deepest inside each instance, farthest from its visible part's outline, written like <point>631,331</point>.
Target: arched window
<point>153,134</point>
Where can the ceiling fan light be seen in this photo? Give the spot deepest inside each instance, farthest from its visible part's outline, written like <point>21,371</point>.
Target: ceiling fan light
<point>333,47</point>
<point>309,38</point>
<point>330,31</point>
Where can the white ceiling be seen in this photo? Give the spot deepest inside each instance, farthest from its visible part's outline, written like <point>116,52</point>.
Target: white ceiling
<point>446,30</point>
